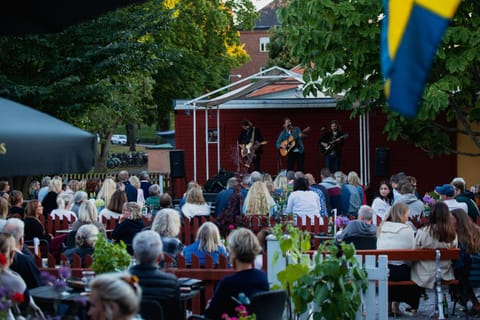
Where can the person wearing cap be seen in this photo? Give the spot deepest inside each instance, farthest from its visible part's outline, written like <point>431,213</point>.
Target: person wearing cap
<point>447,193</point>
<point>462,195</point>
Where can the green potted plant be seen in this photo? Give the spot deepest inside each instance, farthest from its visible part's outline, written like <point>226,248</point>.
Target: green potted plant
<point>330,286</point>
<point>109,257</point>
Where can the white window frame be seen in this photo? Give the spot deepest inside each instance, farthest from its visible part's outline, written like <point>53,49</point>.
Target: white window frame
<point>263,44</point>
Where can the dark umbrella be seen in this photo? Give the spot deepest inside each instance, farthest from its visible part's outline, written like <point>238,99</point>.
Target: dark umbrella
<point>21,17</point>
<point>34,143</point>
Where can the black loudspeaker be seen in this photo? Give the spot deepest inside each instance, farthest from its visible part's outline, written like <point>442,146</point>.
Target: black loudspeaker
<point>382,162</point>
<point>177,164</point>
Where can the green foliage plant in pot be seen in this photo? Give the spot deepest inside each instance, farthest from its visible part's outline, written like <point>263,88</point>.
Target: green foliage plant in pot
<point>331,287</point>
<point>110,257</point>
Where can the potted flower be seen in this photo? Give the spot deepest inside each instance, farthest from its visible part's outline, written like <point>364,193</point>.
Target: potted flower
<point>330,286</point>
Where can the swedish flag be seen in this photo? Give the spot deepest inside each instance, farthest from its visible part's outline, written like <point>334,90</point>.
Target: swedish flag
<point>411,33</point>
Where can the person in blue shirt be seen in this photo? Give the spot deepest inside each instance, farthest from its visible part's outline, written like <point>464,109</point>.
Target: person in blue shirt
<point>290,144</point>
<point>207,242</point>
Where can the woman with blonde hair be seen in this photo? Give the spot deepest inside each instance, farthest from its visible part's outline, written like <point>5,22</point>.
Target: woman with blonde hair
<point>135,182</point>
<point>87,214</point>
<point>280,183</point>
<point>258,200</point>
<point>352,195</point>
<point>207,242</point>
<point>130,223</point>
<point>195,204</point>
<point>167,225</point>
<point>395,233</point>
<point>114,296</point>
<point>243,247</point>
<point>50,201</point>
<point>108,188</point>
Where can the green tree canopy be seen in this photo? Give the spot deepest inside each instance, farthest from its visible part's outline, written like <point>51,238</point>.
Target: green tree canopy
<point>339,43</point>
<point>126,66</point>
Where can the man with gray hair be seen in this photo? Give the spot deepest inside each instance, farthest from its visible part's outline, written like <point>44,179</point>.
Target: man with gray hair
<point>44,189</point>
<point>23,261</point>
<point>156,284</point>
<point>361,227</point>
<point>145,183</point>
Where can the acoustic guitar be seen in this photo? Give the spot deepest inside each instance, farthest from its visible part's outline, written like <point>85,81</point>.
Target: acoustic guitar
<point>289,144</point>
<point>249,148</point>
<point>329,148</point>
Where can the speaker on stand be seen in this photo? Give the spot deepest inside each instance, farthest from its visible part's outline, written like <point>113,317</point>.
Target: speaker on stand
<point>177,167</point>
<point>382,162</point>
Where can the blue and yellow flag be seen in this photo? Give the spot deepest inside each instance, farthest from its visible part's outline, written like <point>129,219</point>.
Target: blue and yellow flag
<point>411,33</point>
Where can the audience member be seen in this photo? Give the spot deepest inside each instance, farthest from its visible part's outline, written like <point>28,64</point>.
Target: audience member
<point>447,193</point>
<point>438,233</point>
<point>3,208</point>
<point>23,261</point>
<point>223,197</point>
<point>408,197</point>
<point>4,189</point>
<point>44,189</point>
<point>33,226</point>
<point>195,204</point>
<point>156,285</point>
<point>394,181</point>
<point>468,234</point>
<point>63,209</point>
<point>383,201</point>
<point>322,193</point>
<point>207,242</point>
<point>258,201</point>
<point>167,225</point>
<point>395,233</point>
<point>78,198</point>
<point>109,186</point>
<point>16,204</point>
<point>33,190</point>
<point>243,247</point>
<point>115,206</point>
<point>145,183</point>
<point>461,195</point>
<point>130,223</point>
<point>13,282</point>
<point>303,202</point>
<point>130,190</point>
<point>351,195</point>
<point>334,190</point>
<point>114,296</point>
<point>135,182</point>
<point>361,227</point>
<point>87,214</point>
<point>85,239</point>
<point>153,201</point>
<point>50,201</point>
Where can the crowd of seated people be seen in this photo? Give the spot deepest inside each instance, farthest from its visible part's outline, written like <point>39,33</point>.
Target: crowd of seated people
<point>289,193</point>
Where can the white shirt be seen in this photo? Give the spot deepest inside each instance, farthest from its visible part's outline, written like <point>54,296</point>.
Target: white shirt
<point>191,210</point>
<point>454,204</point>
<point>380,207</point>
<point>302,204</point>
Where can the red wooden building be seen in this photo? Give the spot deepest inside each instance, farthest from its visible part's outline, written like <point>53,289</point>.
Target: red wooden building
<point>218,122</point>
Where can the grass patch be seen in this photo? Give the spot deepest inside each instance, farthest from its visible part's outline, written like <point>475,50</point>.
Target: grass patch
<point>118,148</point>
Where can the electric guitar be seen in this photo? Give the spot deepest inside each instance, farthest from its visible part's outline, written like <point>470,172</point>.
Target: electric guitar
<point>329,148</point>
<point>289,144</point>
<point>249,148</point>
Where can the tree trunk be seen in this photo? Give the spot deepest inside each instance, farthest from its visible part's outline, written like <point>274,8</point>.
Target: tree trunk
<point>131,136</point>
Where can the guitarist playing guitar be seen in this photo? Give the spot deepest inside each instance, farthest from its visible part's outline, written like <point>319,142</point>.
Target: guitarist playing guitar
<point>290,144</point>
<point>250,142</point>
<point>331,144</point>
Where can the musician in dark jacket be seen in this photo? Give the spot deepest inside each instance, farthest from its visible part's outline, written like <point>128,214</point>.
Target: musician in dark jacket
<point>250,142</point>
<point>331,144</point>
<point>156,284</point>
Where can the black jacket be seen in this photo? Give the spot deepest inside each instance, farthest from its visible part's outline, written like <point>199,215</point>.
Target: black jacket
<point>161,286</point>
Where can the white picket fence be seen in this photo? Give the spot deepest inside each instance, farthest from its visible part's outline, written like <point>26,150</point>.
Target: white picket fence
<point>374,301</point>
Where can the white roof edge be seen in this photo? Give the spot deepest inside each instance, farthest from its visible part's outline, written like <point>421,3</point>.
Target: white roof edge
<point>290,103</point>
